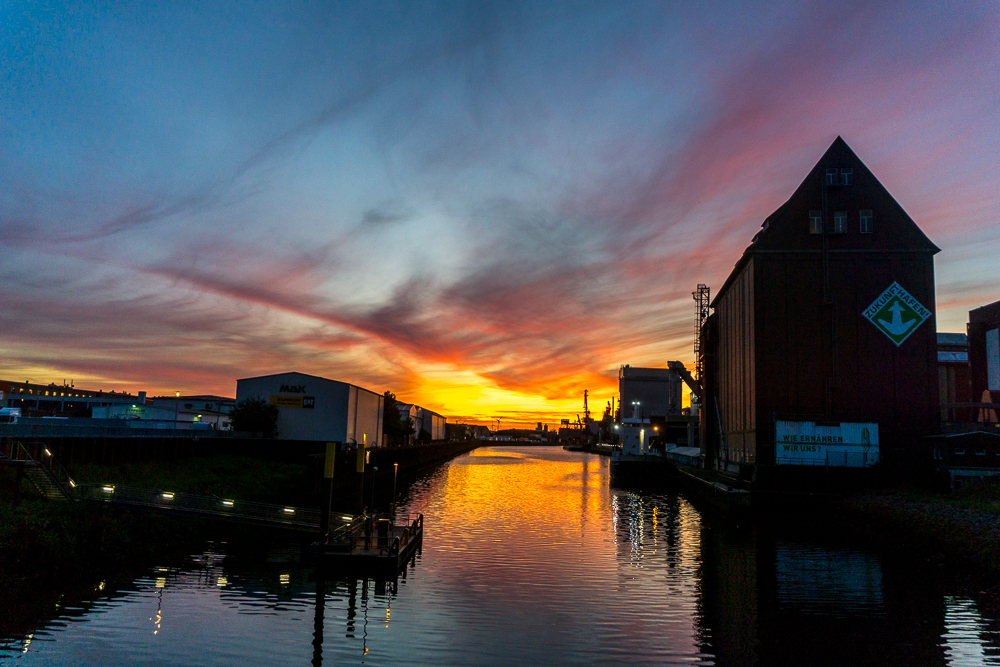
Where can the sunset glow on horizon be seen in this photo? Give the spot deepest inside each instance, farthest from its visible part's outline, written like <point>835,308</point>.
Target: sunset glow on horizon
<point>484,208</point>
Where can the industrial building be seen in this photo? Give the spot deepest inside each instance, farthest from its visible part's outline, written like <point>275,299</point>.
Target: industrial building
<point>50,400</point>
<point>824,333</point>
<point>984,353</point>
<point>433,423</point>
<point>315,408</point>
<point>953,376</point>
<point>423,420</point>
<point>648,392</point>
<point>172,411</point>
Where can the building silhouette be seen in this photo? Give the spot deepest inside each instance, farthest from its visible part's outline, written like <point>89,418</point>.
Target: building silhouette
<point>828,317</point>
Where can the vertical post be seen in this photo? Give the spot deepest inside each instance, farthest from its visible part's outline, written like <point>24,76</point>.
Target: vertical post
<point>328,466</point>
<point>360,468</point>
<point>395,470</point>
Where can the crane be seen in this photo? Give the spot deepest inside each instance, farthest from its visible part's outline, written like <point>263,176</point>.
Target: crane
<point>693,385</point>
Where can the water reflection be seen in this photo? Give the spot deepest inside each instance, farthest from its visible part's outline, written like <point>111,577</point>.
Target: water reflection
<point>531,558</point>
<point>968,639</point>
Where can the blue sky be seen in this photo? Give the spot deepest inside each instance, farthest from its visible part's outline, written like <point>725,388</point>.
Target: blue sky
<point>486,208</point>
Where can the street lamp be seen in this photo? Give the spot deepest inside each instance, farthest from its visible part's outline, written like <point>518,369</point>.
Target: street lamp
<point>177,400</point>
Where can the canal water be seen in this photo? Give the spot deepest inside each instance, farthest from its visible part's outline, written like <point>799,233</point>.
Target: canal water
<point>531,557</point>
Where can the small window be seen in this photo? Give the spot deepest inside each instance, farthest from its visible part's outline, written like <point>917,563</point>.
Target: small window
<point>846,176</point>
<point>866,221</point>
<point>832,176</point>
<point>980,451</point>
<point>959,451</point>
<point>815,222</point>
<point>840,222</point>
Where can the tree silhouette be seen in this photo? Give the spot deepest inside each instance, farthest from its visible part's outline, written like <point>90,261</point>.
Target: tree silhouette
<point>255,415</point>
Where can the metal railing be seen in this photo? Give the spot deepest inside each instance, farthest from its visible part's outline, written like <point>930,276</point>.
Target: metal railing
<point>401,529</point>
<point>39,456</point>
<point>214,506</point>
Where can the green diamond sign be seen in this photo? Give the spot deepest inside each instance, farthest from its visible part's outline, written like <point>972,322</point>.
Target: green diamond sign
<point>896,313</point>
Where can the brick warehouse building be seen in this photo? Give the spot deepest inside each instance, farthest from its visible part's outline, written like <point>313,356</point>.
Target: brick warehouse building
<point>828,317</point>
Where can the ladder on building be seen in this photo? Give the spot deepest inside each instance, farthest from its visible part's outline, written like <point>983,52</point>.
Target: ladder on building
<point>42,470</point>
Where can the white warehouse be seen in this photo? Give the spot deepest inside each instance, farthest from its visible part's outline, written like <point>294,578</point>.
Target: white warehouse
<point>423,419</point>
<point>315,408</point>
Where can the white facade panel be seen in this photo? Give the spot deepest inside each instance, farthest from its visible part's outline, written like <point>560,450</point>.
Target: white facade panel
<point>993,359</point>
<point>851,445</point>
<point>367,419</point>
<point>431,422</point>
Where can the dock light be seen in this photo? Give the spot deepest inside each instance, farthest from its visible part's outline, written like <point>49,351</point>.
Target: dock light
<point>47,452</point>
<point>168,496</point>
<point>288,510</point>
<point>284,579</point>
<point>227,503</point>
<point>108,489</point>
<point>347,518</point>
<point>72,483</point>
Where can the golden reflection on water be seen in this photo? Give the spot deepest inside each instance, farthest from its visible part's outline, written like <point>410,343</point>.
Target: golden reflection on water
<point>538,533</point>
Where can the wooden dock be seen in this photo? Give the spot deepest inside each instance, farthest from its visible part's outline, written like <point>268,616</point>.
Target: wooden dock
<point>380,545</point>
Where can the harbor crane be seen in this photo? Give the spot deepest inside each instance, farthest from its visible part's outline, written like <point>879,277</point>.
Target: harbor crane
<point>693,385</point>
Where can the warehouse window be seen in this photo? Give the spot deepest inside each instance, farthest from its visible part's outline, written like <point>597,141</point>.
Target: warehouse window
<point>832,177</point>
<point>846,176</point>
<point>866,221</point>
<point>815,222</point>
<point>840,222</point>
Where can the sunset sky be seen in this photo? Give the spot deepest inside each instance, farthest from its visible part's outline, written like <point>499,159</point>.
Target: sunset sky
<point>484,208</point>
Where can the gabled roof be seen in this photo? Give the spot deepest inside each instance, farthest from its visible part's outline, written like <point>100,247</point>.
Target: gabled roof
<point>786,229</point>
<point>305,375</point>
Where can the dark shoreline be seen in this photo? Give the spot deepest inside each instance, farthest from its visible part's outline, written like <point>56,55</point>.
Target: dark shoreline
<point>941,529</point>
